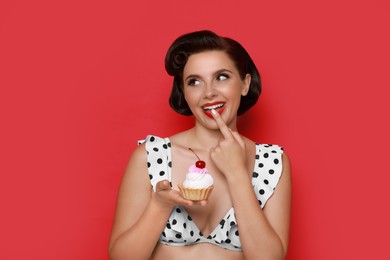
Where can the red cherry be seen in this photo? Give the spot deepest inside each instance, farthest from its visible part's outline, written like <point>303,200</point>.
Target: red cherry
<point>200,164</point>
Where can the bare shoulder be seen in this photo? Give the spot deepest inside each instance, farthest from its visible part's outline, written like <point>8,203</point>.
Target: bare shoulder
<point>250,147</point>
<point>286,170</point>
<point>181,138</point>
<point>248,141</point>
<point>138,158</point>
<point>284,185</point>
<point>136,173</point>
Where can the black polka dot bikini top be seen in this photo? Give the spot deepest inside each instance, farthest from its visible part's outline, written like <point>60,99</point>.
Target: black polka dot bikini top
<point>180,229</point>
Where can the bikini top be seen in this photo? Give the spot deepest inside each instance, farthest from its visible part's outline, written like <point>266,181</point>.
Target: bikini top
<point>180,229</point>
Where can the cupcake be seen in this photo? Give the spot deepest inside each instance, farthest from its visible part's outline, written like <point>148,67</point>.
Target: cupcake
<point>198,184</point>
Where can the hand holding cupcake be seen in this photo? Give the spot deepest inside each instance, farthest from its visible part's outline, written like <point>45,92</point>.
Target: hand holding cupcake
<point>198,184</point>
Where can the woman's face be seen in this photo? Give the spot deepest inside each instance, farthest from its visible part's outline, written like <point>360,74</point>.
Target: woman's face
<point>211,80</point>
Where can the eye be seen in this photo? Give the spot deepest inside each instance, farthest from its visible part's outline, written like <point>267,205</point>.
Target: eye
<point>222,76</point>
<point>193,82</point>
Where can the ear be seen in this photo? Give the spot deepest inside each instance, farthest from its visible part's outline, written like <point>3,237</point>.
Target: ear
<point>246,84</point>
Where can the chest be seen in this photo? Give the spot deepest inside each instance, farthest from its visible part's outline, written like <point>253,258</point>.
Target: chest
<point>214,223</point>
<point>207,217</point>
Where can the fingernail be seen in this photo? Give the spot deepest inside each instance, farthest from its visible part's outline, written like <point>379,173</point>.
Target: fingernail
<point>213,112</point>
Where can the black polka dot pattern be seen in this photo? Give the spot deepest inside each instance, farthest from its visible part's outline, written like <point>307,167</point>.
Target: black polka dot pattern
<point>183,231</point>
<point>159,159</point>
<point>180,229</point>
<point>267,171</point>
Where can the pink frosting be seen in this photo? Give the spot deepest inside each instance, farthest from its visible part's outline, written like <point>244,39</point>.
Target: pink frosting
<point>195,169</point>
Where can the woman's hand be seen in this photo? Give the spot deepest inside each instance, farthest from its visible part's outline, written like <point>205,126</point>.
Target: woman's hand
<point>168,197</point>
<point>230,154</point>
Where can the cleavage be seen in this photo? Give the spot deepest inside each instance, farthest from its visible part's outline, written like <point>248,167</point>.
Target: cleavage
<point>205,218</point>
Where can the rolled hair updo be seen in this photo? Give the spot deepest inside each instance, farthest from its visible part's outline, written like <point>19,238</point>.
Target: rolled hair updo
<point>186,45</point>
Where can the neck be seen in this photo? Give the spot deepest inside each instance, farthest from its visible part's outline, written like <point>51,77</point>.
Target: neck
<point>207,138</point>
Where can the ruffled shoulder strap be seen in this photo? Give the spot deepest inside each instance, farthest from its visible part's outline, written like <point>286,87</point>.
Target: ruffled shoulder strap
<point>267,171</point>
<point>159,159</point>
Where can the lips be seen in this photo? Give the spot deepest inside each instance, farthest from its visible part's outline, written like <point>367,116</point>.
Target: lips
<point>217,106</point>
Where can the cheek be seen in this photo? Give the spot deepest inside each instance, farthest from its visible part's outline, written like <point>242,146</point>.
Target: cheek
<point>190,97</point>
<point>234,93</point>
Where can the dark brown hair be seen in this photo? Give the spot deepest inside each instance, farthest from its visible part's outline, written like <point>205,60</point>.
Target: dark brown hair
<point>199,41</point>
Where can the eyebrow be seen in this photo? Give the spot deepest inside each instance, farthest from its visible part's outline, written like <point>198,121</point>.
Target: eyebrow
<point>215,73</point>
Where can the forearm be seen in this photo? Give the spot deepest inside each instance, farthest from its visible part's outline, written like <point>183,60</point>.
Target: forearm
<point>258,239</point>
<point>139,241</point>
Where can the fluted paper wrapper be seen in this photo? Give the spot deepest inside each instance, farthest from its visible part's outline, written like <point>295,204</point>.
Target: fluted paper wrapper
<point>195,194</point>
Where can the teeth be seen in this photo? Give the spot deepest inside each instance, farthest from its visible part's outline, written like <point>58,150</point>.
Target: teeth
<point>213,107</point>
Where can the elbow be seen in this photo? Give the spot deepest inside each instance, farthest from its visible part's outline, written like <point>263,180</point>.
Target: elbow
<point>112,252</point>
<point>280,250</point>
<point>276,251</point>
<point>113,256</point>
<point>284,248</point>
<point>280,253</point>
<point>266,257</point>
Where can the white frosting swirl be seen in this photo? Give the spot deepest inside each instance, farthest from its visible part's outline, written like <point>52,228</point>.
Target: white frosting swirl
<point>196,180</point>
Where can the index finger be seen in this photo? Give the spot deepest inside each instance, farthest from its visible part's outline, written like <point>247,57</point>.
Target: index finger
<point>221,124</point>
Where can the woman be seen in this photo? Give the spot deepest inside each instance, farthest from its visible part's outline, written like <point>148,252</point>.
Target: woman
<point>248,213</point>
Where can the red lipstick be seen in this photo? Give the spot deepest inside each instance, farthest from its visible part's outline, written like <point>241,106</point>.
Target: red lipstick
<point>217,106</point>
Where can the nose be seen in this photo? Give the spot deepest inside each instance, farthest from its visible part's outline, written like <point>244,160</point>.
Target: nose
<point>210,91</point>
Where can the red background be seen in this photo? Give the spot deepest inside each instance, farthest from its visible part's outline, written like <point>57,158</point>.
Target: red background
<point>82,81</point>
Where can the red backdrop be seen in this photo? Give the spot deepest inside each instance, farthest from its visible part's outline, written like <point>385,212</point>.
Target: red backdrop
<point>82,81</point>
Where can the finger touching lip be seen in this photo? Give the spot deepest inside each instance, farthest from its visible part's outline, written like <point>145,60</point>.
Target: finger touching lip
<point>218,110</point>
